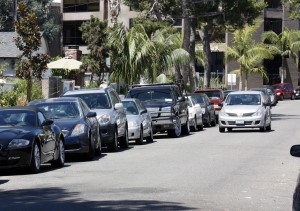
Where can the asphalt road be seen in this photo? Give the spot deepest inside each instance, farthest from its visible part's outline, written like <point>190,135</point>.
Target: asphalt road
<point>241,170</point>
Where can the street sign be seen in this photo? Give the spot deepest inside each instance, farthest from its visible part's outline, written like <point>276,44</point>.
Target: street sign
<point>231,79</point>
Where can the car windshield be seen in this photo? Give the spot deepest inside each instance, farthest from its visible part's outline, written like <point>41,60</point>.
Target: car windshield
<point>213,94</point>
<point>243,99</point>
<point>60,110</point>
<point>130,108</point>
<point>94,100</point>
<point>18,118</point>
<point>159,95</point>
<point>199,99</point>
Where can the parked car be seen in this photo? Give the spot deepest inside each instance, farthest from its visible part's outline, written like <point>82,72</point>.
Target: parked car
<point>195,114</point>
<point>167,105</point>
<point>226,92</point>
<point>208,113</point>
<point>284,91</point>
<point>139,121</point>
<point>78,124</point>
<point>110,114</point>
<point>272,93</point>
<point>297,93</point>
<point>266,94</point>
<point>295,151</point>
<point>215,95</point>
<point>245,109</point>
<point>28,139</point>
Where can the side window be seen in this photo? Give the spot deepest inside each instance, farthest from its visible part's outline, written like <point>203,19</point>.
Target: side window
<point>176,93</point>
<point>41,118</point>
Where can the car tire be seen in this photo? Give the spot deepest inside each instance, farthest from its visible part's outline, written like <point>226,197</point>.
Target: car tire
<point>150,138</point>
<point>269,127</point>
<point>140,140</point>
<point>200,127</point>
<point>281,97</point>
<point>91,153</point>
<point>98,150</point>
<point>60,162</point>
<point>35,163</point>
<point>113,146</point>
<point>176,132</point>
<point>213,123</point>
<point>186,128</point>
<point>293,97</point>
<point>208,124</point>
<point>221,129</point>
<point>194,126</point>
<point>124,143</point>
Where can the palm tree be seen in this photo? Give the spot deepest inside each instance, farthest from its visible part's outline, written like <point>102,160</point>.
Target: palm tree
<point>248,53</point>
<point>287,44</point>
<point>134,54</point>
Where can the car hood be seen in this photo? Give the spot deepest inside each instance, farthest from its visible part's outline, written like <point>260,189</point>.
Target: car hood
<point>241,108</point>
<point>9,133</point>
<point>67,124</point>
<point>132,118</point>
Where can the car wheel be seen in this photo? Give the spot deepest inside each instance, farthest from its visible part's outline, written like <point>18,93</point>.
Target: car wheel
<point>176,132</point>
<point>269,127</point>
<point>194,125</point>
<point>281,97</point>
<point>141,138</point>
<point>293,97</point>
<point>60,162</point>
<point>91,153</point>
<point>208,124</point>
<point>98,150</point>
<point>150,138</point>
<point>113,146</point>
<point>124,140</point>
<point>221,129</point>
<point>186,127</point>
<point>213,122</point>
<point>200,127</point>
<point>229,129</point>
<point>263,128</point>
<point>35,163</point>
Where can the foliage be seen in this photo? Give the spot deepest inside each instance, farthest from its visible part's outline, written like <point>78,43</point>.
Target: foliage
<point>32,64</point>
<point>95,35</point>
<point>248,53</point>
<point>6,19</point>
<point>18,95</point>
<point>294,7</point>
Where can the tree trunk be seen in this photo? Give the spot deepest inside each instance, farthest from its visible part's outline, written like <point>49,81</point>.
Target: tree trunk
<point>105,10</point>
<point>186,37</point>
<point>207,55</point>
<point>29,88</point>
<point>241,78</point>
<point>192,69</point>
<point>246,81</point>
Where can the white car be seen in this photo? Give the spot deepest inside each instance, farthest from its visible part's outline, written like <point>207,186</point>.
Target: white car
<point>195,114</point>
<point>245,109</point>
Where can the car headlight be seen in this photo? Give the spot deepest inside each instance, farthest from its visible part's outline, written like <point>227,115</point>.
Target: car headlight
<point>78,130</point>
<point>104,119</point>
<point>18,143</point>
<point>223,113</point>
<point>259,112</point>
<point>132,124</point>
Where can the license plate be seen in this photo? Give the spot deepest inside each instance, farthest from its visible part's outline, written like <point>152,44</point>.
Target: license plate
<point>239,122</point>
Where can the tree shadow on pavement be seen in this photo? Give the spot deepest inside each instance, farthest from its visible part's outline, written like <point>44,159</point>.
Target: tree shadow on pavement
<point>276,117</point>
<point>59,199</point>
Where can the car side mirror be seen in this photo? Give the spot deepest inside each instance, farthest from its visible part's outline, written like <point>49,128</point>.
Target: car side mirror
<point>47,123</point>
<point>181,99</point>
<point>220,104</point>
<point>91,114</point>
<point>119,106</point>
<point>295,151</point>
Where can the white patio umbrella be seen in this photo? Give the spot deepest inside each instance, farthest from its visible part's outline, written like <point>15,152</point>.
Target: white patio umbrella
<point>65,63</point>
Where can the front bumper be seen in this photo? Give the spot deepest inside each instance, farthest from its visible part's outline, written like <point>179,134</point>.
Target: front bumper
<point>77,144</point>
<point>107,133</point>
<point>163,124</point>
<point>241,122</point>
<point>15,158</point>
<point>134,133</point>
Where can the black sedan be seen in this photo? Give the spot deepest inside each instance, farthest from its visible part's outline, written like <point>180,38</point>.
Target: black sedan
<point>78,124</point>
<point>28,139</point>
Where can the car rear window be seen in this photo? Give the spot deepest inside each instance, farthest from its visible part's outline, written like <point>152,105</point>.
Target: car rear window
<point>94,100</point>
<point>212,94</point>
<point>159,95</point>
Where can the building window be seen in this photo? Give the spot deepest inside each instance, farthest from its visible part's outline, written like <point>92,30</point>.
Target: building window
<point>81,5</point>
<point>71,33</point>
<point>276,4</point>
<point>273,24</point>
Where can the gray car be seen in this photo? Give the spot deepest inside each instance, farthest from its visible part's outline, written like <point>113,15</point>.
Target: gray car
<point>139,121</point>
<point>245,109</point>
<point>110,114</point>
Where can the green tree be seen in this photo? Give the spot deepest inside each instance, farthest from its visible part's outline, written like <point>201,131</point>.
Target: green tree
<point>6,18</point>
<point>287,44</point>
<point>94,33</point>
<point>32,64</point>
<point>294,7</point>
<point>248,53</point>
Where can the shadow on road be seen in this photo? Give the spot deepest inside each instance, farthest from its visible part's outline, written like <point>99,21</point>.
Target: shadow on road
<point>276,117</point>
<point>59,199</point>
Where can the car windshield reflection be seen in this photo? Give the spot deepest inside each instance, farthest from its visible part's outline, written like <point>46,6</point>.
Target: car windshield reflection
<point>243,99</point>
<point>10,118</point>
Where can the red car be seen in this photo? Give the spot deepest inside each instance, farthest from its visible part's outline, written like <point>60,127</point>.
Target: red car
<point>284,91</point>
<point>215,95</point>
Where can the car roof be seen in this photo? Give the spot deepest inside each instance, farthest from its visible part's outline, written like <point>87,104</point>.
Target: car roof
<point>244,92</point>
<point>84,91</point>
<point>28,108</point>
<point>208,90</point>
<point>56,99</point>
<point>153,86</point>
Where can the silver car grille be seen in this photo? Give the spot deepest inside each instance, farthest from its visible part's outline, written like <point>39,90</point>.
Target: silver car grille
<point>240,114</point>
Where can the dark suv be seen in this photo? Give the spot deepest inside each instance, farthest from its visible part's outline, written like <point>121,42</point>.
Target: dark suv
<point>167,105</point>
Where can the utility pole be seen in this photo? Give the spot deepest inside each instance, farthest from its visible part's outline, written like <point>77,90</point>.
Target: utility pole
<point>105,10</point>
